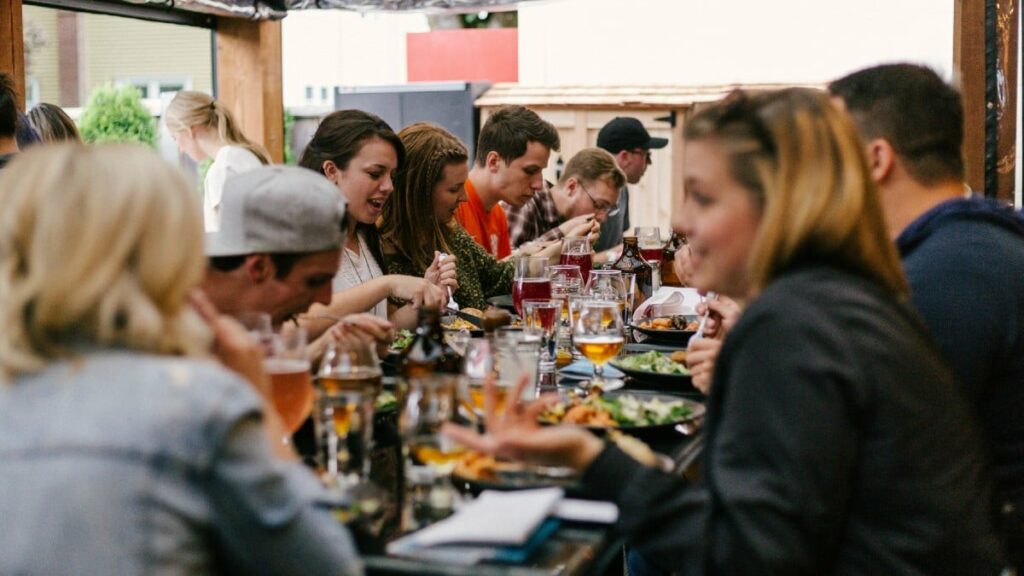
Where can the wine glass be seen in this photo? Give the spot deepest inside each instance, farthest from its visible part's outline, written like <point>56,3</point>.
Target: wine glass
<point>348,382</point>
<point>649,240</point>
<point>291,387</point>
<point>577,251</point>
<point>597,334</point>
<point>531,280</point>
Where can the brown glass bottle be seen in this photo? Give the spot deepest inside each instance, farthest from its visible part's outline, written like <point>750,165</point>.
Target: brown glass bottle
<point>429,353</point>
<point>668,258</point>
<point>632,262</point>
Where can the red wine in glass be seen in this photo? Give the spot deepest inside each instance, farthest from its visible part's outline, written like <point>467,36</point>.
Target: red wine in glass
<point>584,261</point>
<point>529,289</point>
<point>651,254</point>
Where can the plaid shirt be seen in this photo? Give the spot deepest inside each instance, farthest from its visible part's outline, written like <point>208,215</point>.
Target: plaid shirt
<point>536,220</point>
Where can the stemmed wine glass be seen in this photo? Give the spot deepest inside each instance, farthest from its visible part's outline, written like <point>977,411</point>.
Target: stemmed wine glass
<point>597,334</point>
<point>577,251</point>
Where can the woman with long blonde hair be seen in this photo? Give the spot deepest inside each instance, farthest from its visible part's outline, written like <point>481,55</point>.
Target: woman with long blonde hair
<point>828,446</point>
<point>125,448</point>
<point>204,128</point>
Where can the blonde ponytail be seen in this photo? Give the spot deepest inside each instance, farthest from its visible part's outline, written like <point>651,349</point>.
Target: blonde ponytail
<point>190,108</point>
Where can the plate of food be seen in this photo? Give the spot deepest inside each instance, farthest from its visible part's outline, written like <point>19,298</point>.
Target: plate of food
<point>674,329</point>
<point>475,472</point>
<point>636,412</point>
<point>659,368</point>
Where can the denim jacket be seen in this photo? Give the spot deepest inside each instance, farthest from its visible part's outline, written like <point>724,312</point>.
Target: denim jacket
<point>118,462</point>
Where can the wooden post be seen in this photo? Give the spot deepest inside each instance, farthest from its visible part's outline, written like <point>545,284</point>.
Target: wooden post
<point>249,79</point>
<point>973,40</point>
<point>12,47</point>
<point>969,75</point>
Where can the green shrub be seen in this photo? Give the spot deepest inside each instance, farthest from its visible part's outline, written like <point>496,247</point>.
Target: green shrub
<point>117,115</point>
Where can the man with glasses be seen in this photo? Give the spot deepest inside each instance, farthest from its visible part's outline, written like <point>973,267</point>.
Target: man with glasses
<point>630,144</point>
<point>586,195</point>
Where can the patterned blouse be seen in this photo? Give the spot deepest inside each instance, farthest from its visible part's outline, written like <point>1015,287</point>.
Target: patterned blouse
<point>480,275</point>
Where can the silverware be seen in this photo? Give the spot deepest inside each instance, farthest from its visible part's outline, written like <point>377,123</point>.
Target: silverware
<point>452,304</point>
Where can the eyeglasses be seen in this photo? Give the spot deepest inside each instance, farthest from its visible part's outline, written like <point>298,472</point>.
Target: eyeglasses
<point>609,209</point>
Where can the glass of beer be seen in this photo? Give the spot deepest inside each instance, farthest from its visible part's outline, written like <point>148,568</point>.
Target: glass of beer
<point>348,382</point>
<point>479,366</point>
<point>597,334</point>
<point>291,384</point>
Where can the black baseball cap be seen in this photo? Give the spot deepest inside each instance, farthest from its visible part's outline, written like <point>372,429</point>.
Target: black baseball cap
<point>626,133</point>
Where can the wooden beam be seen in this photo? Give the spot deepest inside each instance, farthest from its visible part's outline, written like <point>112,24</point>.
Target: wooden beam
<point>1007,57</point>
<point>969,75</point>
<point>12,47</point>
<point>249,79</point>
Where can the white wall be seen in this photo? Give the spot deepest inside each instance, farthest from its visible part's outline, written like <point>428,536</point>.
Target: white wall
<point>328,48</point>
<point>697,42</point>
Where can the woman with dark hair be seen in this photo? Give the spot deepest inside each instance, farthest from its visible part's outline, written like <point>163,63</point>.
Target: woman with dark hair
<point>359,153</point>
<point>418,222</point>
<point>828,397</point>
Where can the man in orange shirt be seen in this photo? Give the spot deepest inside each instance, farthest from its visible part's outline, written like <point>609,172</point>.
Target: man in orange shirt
<point>512,150</point>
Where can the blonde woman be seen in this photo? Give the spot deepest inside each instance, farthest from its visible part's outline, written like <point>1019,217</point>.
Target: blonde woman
<point>125,448</point>
<point>828,439</point>
<point>203,128</point>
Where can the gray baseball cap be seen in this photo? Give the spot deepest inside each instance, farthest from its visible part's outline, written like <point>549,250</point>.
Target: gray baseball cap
<point>278,210</point>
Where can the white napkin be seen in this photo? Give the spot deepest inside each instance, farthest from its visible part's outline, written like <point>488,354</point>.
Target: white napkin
<point>674,300</point>
<point>502,518</point>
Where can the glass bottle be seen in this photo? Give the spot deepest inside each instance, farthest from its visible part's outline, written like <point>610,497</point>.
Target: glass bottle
<point>668,257</point>
<point>632,262</point>
<point>429,352</point>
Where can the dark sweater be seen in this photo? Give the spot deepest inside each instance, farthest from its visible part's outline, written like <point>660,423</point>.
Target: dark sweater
<point>965,264</point>
<point>836,443</point>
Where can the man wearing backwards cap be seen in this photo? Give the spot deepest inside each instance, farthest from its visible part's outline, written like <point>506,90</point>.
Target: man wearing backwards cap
<point>630,143</point>
<point>277,249</point>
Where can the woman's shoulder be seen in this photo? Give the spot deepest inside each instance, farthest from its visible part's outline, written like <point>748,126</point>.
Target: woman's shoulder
<point>237,156</point>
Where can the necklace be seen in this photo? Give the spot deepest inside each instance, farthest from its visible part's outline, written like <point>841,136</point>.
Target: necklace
<point>355,266</point>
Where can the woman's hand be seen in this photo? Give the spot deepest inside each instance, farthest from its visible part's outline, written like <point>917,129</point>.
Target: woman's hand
<point>232,344</point>
<point>417,291</point>
<point>443,272</point>
<point>724,314</point>
<point>517,435</point>
<point>701,357</point>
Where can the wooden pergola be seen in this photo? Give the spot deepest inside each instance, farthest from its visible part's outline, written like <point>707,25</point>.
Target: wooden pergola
<point>248,76</point>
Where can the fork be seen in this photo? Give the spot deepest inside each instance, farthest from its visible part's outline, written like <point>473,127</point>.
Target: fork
<point>452,304</point>
<point>703,320</point>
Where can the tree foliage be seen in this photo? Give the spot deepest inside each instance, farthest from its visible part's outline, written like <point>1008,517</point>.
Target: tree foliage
<point>117,115</point>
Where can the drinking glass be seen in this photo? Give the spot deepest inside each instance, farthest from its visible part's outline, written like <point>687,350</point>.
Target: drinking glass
<point>478,367</point>
<point>542,319</point>
<point>516,354</point>
<point>348,382</point>
<point>577,251</point>
<point>429,402</point>
<point>531,280</point>
<point>291,386</point>
<point>260,328</point>
<point>597,334</point>
<point>650,243</point>
<point>566,281</point>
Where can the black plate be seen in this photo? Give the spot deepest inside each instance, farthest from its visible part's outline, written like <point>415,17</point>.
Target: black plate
<point>502,301</point>
<point>678,337</point>
<point>679,382</point>
<point>657,431</point>
<point>517,481</point>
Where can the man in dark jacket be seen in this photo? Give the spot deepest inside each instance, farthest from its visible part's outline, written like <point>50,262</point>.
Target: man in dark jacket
<point>964,257</point>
